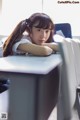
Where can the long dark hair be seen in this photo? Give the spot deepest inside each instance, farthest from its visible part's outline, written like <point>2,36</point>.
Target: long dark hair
<point>42,20</point>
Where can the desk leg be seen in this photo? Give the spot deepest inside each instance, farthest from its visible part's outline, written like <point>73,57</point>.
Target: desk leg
<point>48,88</point>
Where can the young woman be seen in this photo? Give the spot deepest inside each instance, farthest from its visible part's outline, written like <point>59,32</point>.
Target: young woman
<point>32,36</point>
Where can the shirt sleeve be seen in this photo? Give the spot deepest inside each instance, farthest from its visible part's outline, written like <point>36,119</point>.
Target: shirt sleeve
<point>15,46</point>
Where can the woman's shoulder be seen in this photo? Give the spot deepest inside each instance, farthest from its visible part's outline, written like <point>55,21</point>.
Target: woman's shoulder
<point>25,38</point>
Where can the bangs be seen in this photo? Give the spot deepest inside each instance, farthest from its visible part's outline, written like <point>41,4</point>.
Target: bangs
<point>42,22</point>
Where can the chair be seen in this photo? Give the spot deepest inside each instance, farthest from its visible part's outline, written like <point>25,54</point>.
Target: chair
<point>4,85</point>
<point>65,28</point>
<point>70,73</point>
<point>68,82</point>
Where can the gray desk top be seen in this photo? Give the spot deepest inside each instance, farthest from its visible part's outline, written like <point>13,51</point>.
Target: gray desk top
<point>30,64</point>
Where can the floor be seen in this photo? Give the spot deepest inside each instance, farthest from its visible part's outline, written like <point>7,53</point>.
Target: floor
<point>4,101</point>
<point>53,115</point>
<point>4,105</point>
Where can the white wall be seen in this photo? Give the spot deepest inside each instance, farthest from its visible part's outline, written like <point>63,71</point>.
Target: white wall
<point>15,10</point>
<point>65,12</point>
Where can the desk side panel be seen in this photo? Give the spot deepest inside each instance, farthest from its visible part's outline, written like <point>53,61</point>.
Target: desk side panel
<point>48,94</point>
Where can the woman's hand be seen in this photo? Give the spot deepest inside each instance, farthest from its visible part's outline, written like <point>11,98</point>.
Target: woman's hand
<point>54,46</point>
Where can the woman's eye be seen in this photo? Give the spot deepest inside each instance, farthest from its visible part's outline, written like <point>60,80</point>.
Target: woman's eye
<point>39,29</point>
<point>47,31</point>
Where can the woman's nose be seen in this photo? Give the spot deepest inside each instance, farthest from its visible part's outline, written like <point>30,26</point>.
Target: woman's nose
<point>43,34</point>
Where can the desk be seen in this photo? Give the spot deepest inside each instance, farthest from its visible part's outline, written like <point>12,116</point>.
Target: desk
<point>34,83</point>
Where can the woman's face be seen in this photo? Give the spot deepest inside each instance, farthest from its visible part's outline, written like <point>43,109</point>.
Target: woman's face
<point>39,35</point>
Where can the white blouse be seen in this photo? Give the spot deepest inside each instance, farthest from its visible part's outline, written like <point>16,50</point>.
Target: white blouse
<point>15,46</point>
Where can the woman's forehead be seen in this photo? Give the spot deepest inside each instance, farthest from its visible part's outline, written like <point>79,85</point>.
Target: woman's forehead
<point>42,23</point>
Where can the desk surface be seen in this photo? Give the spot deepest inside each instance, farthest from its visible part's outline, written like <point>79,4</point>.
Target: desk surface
<point>30,64</point>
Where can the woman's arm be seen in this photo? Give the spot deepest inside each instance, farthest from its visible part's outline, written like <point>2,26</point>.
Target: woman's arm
<point>35,49</point>
<point>54,46</point>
